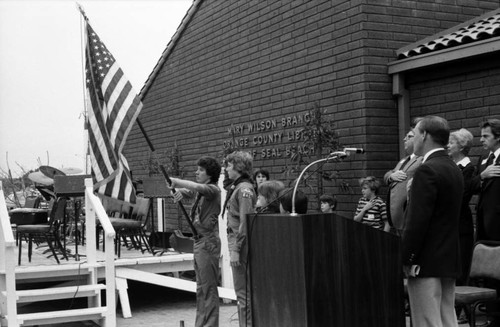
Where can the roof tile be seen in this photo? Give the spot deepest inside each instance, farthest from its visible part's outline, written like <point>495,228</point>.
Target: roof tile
<point>482,29</point>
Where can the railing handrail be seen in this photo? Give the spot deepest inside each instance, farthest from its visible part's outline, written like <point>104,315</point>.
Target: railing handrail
<point>93,209</point>
<point>5,228</point>
<point>101,214</point>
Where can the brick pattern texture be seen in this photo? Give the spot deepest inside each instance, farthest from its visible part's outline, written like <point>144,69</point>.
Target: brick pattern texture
<point>258,67</point>
<point>465,94</point>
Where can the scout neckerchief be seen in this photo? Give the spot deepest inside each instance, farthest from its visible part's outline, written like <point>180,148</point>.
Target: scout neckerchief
<point>239,180</point>
<point>195,206</point>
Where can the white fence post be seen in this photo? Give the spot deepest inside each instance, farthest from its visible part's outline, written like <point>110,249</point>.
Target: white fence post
<point>226,272</point>
<point>8,304</point>
<point>93,208</point>
<point>90,224</point>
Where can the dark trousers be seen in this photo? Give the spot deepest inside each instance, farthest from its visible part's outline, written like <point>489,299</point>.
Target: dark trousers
<point>466,248</point>
<point>242,287</point>
<point>206,266</point>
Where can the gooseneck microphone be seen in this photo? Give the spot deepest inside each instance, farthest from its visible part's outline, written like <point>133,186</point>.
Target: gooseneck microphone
<point>334,155</point>
<point>338,154</point>
<point>355,150</point>
<point>346,152</point>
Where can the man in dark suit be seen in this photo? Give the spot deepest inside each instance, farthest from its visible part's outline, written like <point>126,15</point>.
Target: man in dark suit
<point>397,179</point>
<point>430,243</point>
<point>487,183</point>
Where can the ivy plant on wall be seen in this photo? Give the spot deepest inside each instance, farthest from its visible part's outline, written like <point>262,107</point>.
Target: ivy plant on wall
<point>318,134</point>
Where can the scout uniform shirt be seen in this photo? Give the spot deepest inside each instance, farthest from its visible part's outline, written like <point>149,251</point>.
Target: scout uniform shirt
<point>206,215</point>
<point>242,202</point>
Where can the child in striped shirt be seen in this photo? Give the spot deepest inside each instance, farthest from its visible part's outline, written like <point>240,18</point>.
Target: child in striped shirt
<point>371,208</point>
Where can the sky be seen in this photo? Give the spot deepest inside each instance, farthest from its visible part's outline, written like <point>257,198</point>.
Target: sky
<point>41,70</point>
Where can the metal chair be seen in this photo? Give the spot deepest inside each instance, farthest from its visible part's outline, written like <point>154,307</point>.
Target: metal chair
<point>485,264</point>
<point>114,209</point>
<point>32,202</point>
<point>133,227</point>
<point>44,232</point>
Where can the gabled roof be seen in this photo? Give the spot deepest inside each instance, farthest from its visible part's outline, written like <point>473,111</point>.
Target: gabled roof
<point>479,28</point>
<point>170,46</point>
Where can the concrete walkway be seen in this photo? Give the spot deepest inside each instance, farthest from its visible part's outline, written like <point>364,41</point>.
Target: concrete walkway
<point>164,307</point>
<point>155,306</point>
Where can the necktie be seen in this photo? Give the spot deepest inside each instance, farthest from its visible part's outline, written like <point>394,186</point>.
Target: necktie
<point>490,160</point>
<point>405,162</point>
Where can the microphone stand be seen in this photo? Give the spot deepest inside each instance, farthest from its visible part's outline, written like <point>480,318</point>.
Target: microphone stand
<point>334,155</point>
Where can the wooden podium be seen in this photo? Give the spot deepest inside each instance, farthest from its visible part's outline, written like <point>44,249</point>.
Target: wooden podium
<point>323,270</point>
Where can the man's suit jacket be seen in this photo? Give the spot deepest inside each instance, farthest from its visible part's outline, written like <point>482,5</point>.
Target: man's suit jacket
<point>397,191</point>
<point>430,237</point>
<point>488,207</point>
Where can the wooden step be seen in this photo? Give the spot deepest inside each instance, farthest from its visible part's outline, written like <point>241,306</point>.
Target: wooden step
<point>56,293</point>
<point>52,273</point>
<point>57,317</point>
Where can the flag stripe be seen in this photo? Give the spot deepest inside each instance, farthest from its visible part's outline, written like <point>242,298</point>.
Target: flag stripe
<point>105,156</point>
<point>117,101</point>
<point>123,102</point>
<point>103,163</point>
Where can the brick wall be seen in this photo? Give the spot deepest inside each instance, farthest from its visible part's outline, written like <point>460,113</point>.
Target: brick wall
<point>240,63</point>
<point>465,94</point>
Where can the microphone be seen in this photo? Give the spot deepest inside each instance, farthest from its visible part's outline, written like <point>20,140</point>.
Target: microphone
<point>338,154</point>
<point>355,150</point>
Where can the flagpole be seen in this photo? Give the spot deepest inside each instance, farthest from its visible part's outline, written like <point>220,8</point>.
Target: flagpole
<point>80,8</point>
<point>85,99</point>
<point>167,178</point>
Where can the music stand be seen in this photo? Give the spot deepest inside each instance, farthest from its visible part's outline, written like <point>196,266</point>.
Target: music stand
<point>73,187</point>
<point>156,187</point>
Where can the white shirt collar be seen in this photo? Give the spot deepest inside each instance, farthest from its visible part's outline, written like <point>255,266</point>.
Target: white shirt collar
<point>431,152</point>
<point>464,162</point>
<point>496,153</point>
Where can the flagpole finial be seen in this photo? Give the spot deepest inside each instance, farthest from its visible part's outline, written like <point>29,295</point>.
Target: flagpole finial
<point>80,8</point>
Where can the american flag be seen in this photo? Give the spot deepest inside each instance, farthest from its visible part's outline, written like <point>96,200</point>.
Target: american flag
<point>115,108</point>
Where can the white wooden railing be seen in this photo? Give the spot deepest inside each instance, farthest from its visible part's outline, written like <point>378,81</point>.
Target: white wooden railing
<point>8,305</point>
<point>93,209</point>
<point>226,272</point>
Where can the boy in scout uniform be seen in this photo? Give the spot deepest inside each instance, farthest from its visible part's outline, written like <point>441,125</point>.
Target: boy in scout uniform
<point>240,201</point>
<point>206,249</point>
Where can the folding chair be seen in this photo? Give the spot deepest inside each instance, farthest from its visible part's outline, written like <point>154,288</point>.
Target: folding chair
<point>485,264</point>
<point>44,232</point>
